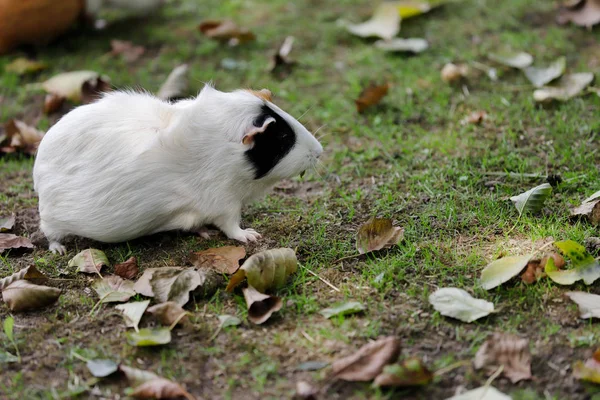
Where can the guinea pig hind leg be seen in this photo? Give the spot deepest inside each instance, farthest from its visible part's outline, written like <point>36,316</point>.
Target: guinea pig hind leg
<point>230,225</point>
<point>56,247</point>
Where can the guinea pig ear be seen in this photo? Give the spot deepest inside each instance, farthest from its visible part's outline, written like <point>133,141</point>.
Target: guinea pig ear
<point>255,130</point>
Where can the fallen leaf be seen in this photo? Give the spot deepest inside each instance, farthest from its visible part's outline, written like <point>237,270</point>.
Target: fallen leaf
<point>126,49</point>
<point>481,393</point>
<point>127,269</point>
<point>412,45</point>
<point>23,66</point>
<point>305,391</point>
<point>29,273</point>
<point>8,241</point>
<point>21,136</point>
<point>133,312</point>
<point>411,8</point>
<point>370,96</point>
<point>589,304</point>
<point>89,261</point>
<point>226,30</point>
<point>589,209</point>
<point>113,288</point>
<point>8,326</point>
<point>7,357</point>
<point>410,372</point>
<point>590,370</point>
<point>7,223</point>
<point>508,350</point>
<point>368,362</point>
<point>265,270</point>
<point>541,76</point>
<point>584,265</point>
<point>459,304</point>
<point>593,197</point>
<point>518,59</point>
<point>476,118</point>
<point>228,320</point>
<point>351,307</point>
<point>453,73</point>
<point>281,60</point>
<point>176,85</point>
<point>385,22</point>
<point>142,285</point>
<point>169,312</point>
<point>311,366</point>
<point>137,376</point>
<point>70,84</point>
<point>225,260</point>
<point>94,88</point>
<point>499,271</point>
<point>102,368</point>
<point>532,200</point>
<point>260,306</point>
<point>567,87</point>
<point>586,13</point>
<point>175,284</point>
<point>376,234</point>
<point>23,295</point>
<point>53,103</point>
<point>149,337</point>
<point>160,388</point>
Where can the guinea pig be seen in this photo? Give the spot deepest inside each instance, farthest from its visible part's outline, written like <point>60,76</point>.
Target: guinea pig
<point>130,165</point>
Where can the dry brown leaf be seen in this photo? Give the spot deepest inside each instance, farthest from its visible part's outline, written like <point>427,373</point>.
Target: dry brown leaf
<point>92,89</point>
<point>368,361</point>
<point>126,49</point>
<point>476,118</point>
<point>590,370</point>
<point>113,288</point>
<point>53,103</point>
<point>175,284</point>
<point>281,62</point>
<point>508,350</point>
<point>23,295</point>
<point>169,312</point>
<point>226,30</point>
<point>260,306</point>
<point>8,241</point>
<point>7,223</point>
<point>28,273</point>
<point>20,136</point>
<point>376,234</point>
<point>176,85</point>
<point>70,84</point>
<point>589,211</point>
<point>152,386</point>
<point>370,96</point>
<point>453,73</point>
<point>225,260</point>
<point>89,261</point>
<point>583,13</point>
<point>127,269</point>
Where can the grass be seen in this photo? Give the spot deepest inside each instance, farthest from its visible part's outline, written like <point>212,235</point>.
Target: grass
<point>409,158</point>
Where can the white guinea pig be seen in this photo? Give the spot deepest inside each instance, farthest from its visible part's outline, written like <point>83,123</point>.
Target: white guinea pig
<point>131,165</point>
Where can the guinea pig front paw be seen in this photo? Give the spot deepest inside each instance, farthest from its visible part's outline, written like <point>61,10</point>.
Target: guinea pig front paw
<point>56,247</point>
<point>246,235</point>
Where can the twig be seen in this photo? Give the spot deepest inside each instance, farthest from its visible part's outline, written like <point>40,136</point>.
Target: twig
<point>451,367</point>
<point>488,383</point>
<point>322,280</point>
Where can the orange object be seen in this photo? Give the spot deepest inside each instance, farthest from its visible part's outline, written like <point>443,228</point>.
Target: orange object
<point>35,21</point>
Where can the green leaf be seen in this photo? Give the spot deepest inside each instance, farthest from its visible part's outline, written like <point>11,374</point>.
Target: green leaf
<point>89,261</point>
<point>518,59</point>
<point>459,304</point>
<point>149,337</point>
<point>133,312</point>
<point>532,200</point>
<point>411,372</point>
<point>6,357</point>
<point>265,270</point>
<point>567,87</point>
<point>9,324</point>
<point>584,265</point>
<point>102,368</point>
<point>23,66</point>
<point>499,271</point>
<point>541,76</point>
<point>351,307</point>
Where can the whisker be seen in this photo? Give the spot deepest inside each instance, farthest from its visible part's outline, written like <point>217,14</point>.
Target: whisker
<point>318,129</point>
<point>305,112</point>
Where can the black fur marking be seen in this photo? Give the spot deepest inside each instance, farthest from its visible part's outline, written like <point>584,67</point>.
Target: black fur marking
<point>271,145</point>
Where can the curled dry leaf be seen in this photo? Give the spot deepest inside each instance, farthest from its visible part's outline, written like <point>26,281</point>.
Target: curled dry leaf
<point>152,386</point>
<point>411,45</point>
<point>368,362</point>
<point>226,30</point>
<point>454,72</point>
<point>8,241</point>
<point>168,313</point>
<point>260,306</point>
<point>584,13</point>
<point>385,22</point>
<point>593,197</point>
<point>23,66</point>
<point>89,261</point>
<point>590,370</point>
<point>585,266</point>
<point>29,273</point>
<point>567,87</point>
<point>113,288</point>
<point>532,200</point>
<point>133,312</point>
<point>281,60</point>
<point>7,223</point>
<point>411,372</point>
<point>508,350</point>
<point>267,269</point>
<point>127,269</point>
<point>175,284</point>
<point>589,210</point>
<point>541,76</point>
<point>499,271</point>
<point>225,260</point>
<point>53,103</point>
<point>126,49</point>
<point>93,89</point>
<point>459,304</point>
<point>176,85</point>
<point>518,59</point>
<point>370,96</point>
<point>70,84</point>
<point>20,136</point>
<point>481,393</point>
<point>376,234</point>
<point>351,307</point>
<point>149,337</point>
<point>589,304</point>
<point>23,295</point>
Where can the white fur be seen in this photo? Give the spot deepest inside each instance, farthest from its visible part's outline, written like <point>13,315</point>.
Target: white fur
<point>130,165</point>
